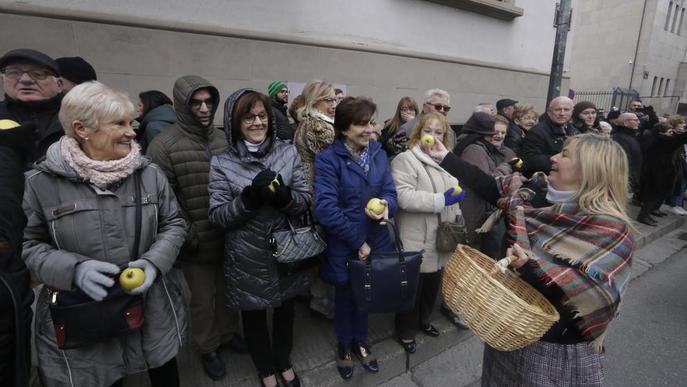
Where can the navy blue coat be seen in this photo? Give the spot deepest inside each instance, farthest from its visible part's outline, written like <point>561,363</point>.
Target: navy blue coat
<point>341,193</point>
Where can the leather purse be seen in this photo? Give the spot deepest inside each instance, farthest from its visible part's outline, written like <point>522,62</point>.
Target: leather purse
<point>386,282</point>
<point>449,234</point>
<point>79,320</point>
<point>298,248</point>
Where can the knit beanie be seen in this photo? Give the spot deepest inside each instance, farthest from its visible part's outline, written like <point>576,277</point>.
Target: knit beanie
<point>275,87</point>
<point>76,69</point>
<point>582,106</point>
<point>480,123</point>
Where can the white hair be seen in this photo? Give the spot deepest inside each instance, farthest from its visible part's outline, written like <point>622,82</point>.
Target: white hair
<point>93,104</point>
<point>438,92</point>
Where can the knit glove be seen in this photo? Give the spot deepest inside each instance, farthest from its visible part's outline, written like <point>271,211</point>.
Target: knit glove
<point>451,199</point>
<point>150,271</point>
<point>250,198</point>
<point>94,277</point>
<point>281,197</point>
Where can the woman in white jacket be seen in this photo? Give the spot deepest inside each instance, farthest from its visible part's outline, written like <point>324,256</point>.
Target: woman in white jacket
<point>425,196</point>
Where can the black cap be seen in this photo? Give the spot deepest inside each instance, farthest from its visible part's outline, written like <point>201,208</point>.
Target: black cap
<point>504,103</point>
<point>29,55</point>
<point>76,69</point>
<point>480,123</point>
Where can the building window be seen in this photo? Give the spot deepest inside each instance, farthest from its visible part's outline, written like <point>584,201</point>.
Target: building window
<point>679,26</point>
<point>500,9</point>
<point>670,12</point>
<point>660,87</point>
<point>665,91</point>
<point>675,15</point>
<point>653,86</point>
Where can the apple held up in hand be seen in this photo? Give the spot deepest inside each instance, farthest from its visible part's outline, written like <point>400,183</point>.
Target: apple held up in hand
<point>427,140</point>
<point>456,190</point>
<point>131,278</point>
<point>376,206</point>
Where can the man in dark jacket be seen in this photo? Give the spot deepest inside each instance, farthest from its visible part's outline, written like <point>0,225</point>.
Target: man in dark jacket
<point>279,96</point>
<point>16,143</point>
<point>515,135</point>
<point>33,94</point>
<point>547,138</point>
<point>183,151</point>
<point>646,115</point>
<point>626,134</point>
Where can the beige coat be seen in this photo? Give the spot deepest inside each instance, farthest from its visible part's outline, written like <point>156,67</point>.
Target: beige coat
<point>419,204</point>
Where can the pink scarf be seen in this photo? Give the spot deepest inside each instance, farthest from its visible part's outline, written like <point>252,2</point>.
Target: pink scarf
<point>99,173</point>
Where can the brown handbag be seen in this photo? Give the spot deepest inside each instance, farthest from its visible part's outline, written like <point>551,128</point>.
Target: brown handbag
<point>449,234</point>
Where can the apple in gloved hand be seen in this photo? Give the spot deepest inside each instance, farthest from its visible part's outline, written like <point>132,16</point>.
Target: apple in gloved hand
<point>376,206</point>
<point>427,140</point>
<point>131,278</point>
<point>456,190</point>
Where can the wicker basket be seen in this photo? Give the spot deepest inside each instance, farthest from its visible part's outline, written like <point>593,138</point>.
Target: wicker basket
<point>503,310</point>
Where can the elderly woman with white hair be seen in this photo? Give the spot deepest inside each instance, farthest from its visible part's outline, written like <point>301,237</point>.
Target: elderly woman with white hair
<point>95,206</point>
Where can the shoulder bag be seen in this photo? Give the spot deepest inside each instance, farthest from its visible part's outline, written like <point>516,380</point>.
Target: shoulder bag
<point>386,282</point>
<point>298,248</point>
<point>449,234</point>
<point>79,320</point>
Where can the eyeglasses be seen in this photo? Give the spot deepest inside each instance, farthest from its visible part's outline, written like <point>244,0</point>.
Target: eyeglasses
<point>36,75</point>
<point>249,120</point>
<point>439,107</point>
<point>196,104</point>
<point>329,100</point>
<point>407,109</point>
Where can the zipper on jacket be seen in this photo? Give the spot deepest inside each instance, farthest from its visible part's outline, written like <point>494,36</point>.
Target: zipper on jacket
<point>69,368</point>
<point>174,312</point>
<point>100,215</point>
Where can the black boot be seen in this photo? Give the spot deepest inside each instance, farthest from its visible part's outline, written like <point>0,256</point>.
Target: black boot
<point>344,361</point>
<point>646,219</point>
<point>213,364</point>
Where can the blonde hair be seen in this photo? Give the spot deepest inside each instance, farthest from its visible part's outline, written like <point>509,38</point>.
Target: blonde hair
<point>499,119</point>
<point>93,104</point>
<point>416,133</point>
<point>604,172</point>
<point>313,92</point>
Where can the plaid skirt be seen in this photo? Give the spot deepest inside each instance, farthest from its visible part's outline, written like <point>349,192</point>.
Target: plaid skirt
<point>543,364</point>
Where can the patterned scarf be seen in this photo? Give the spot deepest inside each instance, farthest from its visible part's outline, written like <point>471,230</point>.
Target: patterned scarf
<point>361,157</point>
<point>587,256</point>
<point>99,173</point>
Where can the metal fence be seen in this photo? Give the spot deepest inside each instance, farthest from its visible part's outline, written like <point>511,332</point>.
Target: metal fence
<point>620,98</point>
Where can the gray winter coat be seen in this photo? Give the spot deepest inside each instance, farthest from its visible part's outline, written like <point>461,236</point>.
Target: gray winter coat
<point>70,221</point>
<point>252,279</point>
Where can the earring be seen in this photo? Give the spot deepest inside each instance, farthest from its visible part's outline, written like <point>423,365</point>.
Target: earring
<point>86,138</point>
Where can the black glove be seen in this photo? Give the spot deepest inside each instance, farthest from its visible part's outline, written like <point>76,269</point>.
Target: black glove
<point>251,199</point>
<point>20,137</point>
<point>264,178</point>
<point>281,196</point>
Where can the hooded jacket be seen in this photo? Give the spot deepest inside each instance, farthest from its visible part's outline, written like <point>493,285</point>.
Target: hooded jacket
<point>183,152</point>
<point>154,121</point>
<point>253,281</point>
<point>70,221</point>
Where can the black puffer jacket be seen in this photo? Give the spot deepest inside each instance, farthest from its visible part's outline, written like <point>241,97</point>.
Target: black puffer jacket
<point>281,117</point>
<point>543,141</point>
<point>183,151</point>
<point>42,115</point>
<point>253,281</point>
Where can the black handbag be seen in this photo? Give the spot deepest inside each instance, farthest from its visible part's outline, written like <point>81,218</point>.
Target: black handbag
<point>386,282</point>
<point>79,320</point>
<point>449,234</point>
<point>298,248</point>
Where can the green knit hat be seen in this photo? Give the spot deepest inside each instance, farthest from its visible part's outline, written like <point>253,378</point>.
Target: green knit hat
<point>275,87</point>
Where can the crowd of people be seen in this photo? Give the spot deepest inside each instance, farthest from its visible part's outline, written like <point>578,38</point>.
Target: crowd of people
<point>93,183</point>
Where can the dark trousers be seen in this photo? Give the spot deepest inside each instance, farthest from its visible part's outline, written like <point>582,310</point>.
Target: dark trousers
<point>167,375</point>
<point>408,323</point>
<point>349,323</point>
<point>269,356</point>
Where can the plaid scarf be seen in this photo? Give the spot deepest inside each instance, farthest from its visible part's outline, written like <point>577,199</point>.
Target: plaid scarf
<point>587,256</point>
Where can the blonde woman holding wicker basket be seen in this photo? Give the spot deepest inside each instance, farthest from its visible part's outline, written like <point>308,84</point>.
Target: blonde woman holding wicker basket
<point>576,252</point>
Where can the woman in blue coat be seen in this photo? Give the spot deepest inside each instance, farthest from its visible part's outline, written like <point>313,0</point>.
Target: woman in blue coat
<point>348,174</point>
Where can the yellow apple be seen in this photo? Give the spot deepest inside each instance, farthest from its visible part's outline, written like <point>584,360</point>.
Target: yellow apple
<point>376,206</point>
<point>517,162</point>
<point>456,190</point>
<point>427,140</point>
<point>273,184</point>
<point>131,278</point>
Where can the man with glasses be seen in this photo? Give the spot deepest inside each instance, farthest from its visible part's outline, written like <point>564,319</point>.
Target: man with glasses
<point>279,96</point>
<point>183,152</point>
<point>436,100</point>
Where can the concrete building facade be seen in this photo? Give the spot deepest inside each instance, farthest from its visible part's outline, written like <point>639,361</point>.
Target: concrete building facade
<point>631,44</point>
<point>384,49</point>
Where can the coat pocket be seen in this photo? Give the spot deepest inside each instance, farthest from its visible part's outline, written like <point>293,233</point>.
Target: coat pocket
<point>68,221</point>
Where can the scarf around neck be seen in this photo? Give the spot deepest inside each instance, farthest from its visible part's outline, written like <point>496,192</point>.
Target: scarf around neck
<point>99,173</point>
<point>560,197</point>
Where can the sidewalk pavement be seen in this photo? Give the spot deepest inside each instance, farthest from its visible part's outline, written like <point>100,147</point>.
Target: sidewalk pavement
<point>452,359</point>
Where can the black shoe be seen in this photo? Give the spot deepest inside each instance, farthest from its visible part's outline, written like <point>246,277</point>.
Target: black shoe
<point>237,344</point>
<point>367,359</point>
<point>659,213</point>
<point>409,346</point>
<point>344,361</point>
<point>213,364</point>
<point>295,382</point>
<point>262,382</point>
<point>453,318</point>
<point>430,330</point>
<point>647,219</point>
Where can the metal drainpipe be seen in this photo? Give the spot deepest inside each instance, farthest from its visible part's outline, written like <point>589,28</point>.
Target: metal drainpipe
<point>639,36</point>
